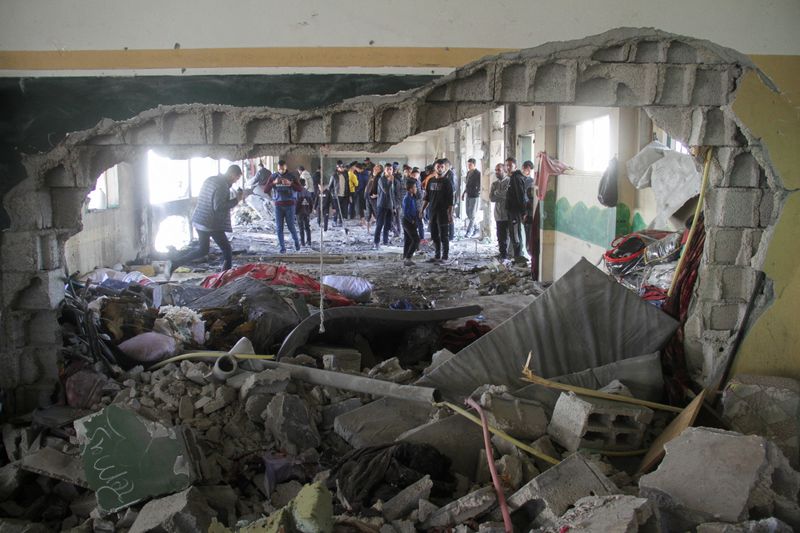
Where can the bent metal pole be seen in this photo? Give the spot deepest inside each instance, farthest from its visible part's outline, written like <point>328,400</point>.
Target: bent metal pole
<point>356,383</point>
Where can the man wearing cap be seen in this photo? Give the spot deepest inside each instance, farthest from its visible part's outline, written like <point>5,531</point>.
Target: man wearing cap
<point>439,197</point>
<point>472,193</point>
<point>212,216</point>
<point>283,186</point>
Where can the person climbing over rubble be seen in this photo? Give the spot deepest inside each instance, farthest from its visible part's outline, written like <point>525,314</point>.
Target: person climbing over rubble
<point>212,216</point>
<point>439,197</point>
<point>410,217</point>
<point>283,186</point>
<point>497,194</point>
<point>305,204</point>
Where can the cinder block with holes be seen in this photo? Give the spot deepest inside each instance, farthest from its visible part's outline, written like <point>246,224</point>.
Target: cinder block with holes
<point>582,422</point>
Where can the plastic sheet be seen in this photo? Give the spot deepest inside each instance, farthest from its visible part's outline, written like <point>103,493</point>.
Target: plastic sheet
<point>356,288</point>
<point>584,320</point>
<point>150,347</point>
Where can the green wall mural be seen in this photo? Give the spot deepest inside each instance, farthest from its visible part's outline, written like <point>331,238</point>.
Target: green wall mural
<point>597,225</point>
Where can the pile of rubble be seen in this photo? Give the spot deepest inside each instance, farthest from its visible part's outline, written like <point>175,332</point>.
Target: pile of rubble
<point>341,437</point>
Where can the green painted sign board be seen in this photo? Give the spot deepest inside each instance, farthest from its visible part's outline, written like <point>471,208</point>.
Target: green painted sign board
<point>128,458</point>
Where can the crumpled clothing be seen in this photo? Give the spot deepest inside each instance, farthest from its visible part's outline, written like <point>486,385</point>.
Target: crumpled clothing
<point>547,167</point>
<point>455,339</point>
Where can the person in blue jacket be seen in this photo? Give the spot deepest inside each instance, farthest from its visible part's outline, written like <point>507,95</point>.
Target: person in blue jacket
<point>410,217</point>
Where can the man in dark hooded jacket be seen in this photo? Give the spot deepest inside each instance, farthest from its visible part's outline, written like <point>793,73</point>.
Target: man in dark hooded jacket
<point>515,206</point>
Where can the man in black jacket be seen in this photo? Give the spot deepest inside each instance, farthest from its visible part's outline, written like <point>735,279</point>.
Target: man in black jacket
<point>515,206</point>
<point>439,197</point>
<point>472,193</point>
<point>212,216</point>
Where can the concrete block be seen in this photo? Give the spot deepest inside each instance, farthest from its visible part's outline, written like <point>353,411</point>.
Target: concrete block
<point>267,131</point>
<point>679,52</point>
<point>45,291</point>
<point>146,133</point>
<point>434,115</point>
<point>723,316</point>
<point>270,381</point>
<point>768,210</point>
<point>59,177</point>
<point>613,54</point>
<point>712,86</point>
<point>723,245</point>
<point>380,422</point>
<point>630,84</point>
<point>733,207</point>
<point>394,124</point>
<point>650,52</point>
<point>19,251</point>
<point>582,422</point>
<point>611,513</point>
<point>32,209</point>
<point>342,361</point>
<point>291,424</point>
<point>68,207</point>
<point>442,92</point>
<point>310,130</point>
<point>330,412</point>
<point>596,91</point>
<point>227,129</point>
<point>768,406</point>
<point>514,83</point>
<point>745,172</point>
<point>39,364</point>
<point>710,474</point>
<point>545,498</point>
<point>678,122</point>
<point>57,465</point>
<point>185,128</point>
<point>462,451</point>
<point>352,127</point>
<point>738,283</point>
<point>466,508</point>
<point>719,129</point>
<point>477,86</point>
<point>522,419</point>
<point>675,84</point>
<point>555,83</point>
<point>184,511</point>
<point>407,499</point>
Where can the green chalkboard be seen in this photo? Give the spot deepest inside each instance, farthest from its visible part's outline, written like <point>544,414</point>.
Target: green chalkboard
<point>128,459</point>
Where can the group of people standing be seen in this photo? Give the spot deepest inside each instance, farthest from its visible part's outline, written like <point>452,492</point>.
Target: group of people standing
<point>398,200</point>
<point>513,193</point>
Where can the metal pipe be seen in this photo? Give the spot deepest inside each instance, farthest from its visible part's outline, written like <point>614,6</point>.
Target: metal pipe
<point>356,383</point>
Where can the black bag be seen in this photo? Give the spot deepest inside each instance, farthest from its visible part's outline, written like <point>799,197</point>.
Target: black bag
<point>607,194</point>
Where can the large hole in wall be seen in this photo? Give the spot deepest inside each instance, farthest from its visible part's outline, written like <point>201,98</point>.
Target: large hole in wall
<point>686,99</point>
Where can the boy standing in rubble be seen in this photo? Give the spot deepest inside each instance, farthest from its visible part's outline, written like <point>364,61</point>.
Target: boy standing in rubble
<point>410,217</point>
<point>305,205</point>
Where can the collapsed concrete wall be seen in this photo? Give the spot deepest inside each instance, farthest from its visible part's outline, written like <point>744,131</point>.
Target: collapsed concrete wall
<point>686,86</point>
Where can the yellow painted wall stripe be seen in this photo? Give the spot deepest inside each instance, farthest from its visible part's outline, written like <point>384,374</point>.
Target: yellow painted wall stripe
<point>243,58</point>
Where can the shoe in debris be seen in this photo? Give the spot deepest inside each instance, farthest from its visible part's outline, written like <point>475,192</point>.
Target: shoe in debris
<point>408,262</point>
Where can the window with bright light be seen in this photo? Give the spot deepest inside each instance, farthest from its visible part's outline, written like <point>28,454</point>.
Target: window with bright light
<point>106,191</point>
<point>180,179</point>
<point>593,144</point>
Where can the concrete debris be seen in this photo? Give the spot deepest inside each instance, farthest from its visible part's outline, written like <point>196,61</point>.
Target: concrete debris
<point>291,424</point>
<point>390,370</point>
<point>545,498</point>
<point>756,477</point>
<point>349,361</point>
<point>462,451</point>
<point>55,464</point>
<point>10,480</point>
<point>330,412</point>
<point>768,406</point>
<point>470,506</point>
<point>270,381</point>
<point>285,492</point>
<point>522,419</point>
<point>766,525</point>
<point>611,513</point>
<point>407,499</point>
<point>582,422</point>
<point>184,511</point>
<point>380,422</point>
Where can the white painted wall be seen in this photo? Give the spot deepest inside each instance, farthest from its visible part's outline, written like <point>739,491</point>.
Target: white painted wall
<point>764,27</point>
<point>109,236</point>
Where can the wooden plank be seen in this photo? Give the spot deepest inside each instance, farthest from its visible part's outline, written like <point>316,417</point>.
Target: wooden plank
<point>675,428</point>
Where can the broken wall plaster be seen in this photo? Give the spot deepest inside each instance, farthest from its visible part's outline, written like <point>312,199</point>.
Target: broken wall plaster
<point>555,74</point>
